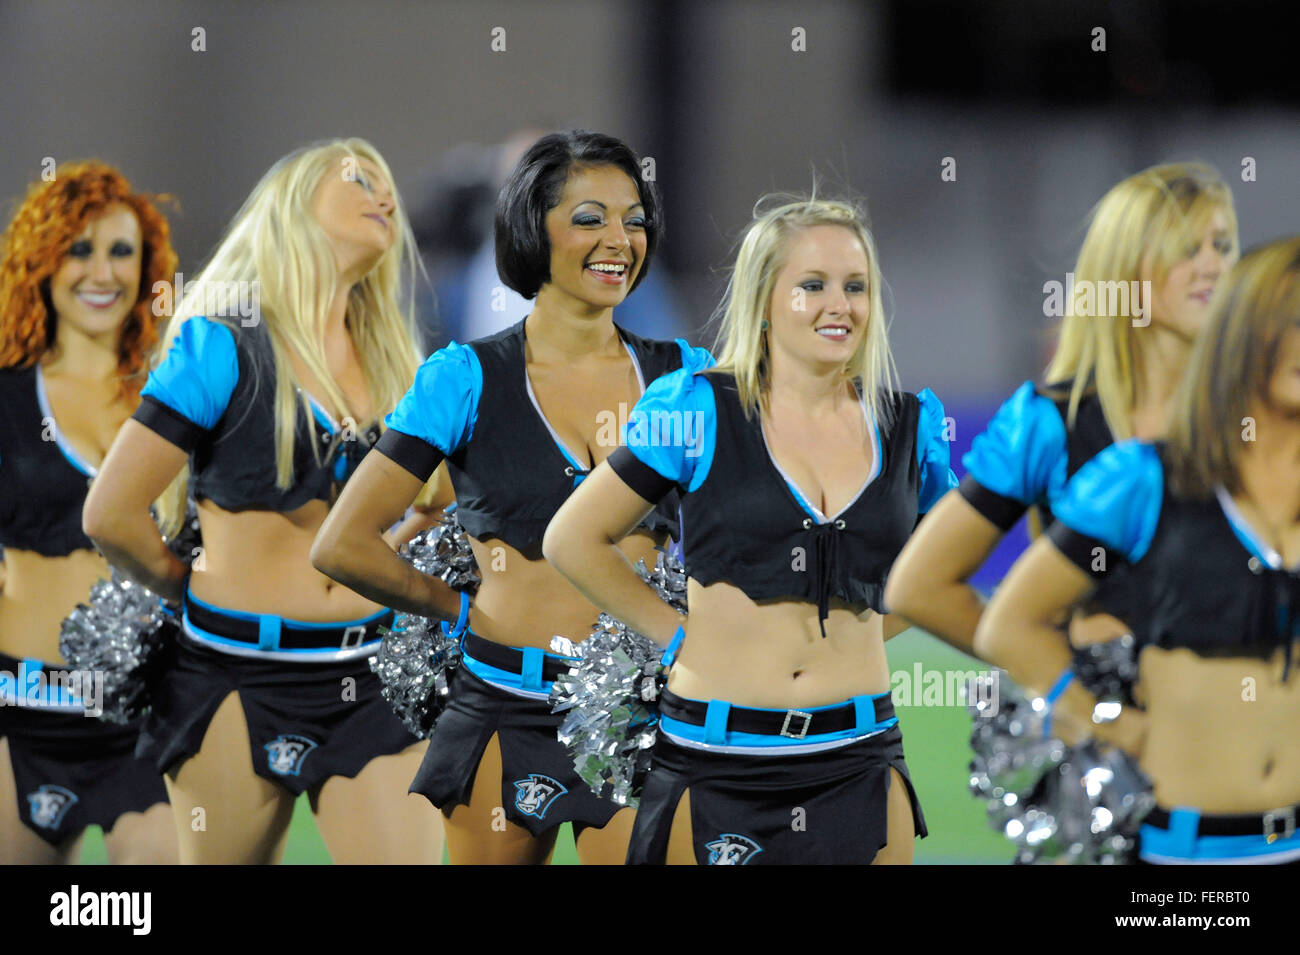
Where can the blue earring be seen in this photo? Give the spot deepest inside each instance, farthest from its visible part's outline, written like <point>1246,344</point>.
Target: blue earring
<point>764,324</point>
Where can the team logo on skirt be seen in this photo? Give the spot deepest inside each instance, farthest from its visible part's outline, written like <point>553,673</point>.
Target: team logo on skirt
<point>536,793</point>
<point>286,752</point>
<point>732,849</point>
<point>49,804</point>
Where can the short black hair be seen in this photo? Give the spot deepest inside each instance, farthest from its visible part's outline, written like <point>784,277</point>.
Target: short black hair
<point>534,189</point>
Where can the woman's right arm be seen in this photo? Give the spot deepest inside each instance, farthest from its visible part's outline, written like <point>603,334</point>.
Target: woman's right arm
<point>184,398</point>
<point>582,539</point>
<point>350,546</point>
<point>433,419</point>
<point>137,469</point>
<point>1107,515</point>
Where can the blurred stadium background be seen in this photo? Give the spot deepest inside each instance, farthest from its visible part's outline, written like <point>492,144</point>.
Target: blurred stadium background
<point>732,99</point>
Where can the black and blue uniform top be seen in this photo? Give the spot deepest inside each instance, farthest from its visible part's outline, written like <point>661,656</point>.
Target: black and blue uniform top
<point>744,521</point>
<point>474,406</point>
<point>1206,580</point>
<point>1028,452</point>
<point>213,395</point>
<point>43,480</point>
<point>1025,458</point>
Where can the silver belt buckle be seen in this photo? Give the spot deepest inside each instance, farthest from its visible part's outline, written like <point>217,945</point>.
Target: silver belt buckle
<point>1271,819</point>
<point>353,637</point>
<point>803,730</point>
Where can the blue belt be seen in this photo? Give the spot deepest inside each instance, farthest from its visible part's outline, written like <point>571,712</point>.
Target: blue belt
<point>857,718</point>
<point>1188,836</point>
<point>259,634</point>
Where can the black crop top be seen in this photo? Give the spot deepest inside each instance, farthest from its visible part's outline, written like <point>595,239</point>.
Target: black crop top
<point>214,396</point>
<point>1206,580</point>
<point>473,405</point>
<point>43,481</point>
<point>745,522</point>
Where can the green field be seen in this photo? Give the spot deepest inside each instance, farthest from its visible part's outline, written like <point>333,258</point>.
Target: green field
<point>936,738</point>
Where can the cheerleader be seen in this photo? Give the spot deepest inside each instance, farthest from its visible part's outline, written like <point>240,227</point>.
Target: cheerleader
<point>78,265</point>
<point>521,418</point>
<point>272,401</point>
<point>1209,523</point>
<point>802,471</point>
<point>1111,378</point>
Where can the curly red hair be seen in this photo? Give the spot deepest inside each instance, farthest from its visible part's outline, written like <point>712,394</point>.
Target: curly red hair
<point>38,238</point>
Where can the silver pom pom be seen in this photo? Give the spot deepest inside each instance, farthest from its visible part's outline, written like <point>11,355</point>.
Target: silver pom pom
<point>668,579</point>
<point>609,695</point>
<point>1011,754</point>
<point>417,656</point>
<point>414,665</point>
<point>123,632</point>
<point>1108,670</point>
<point>1057,804</point>
<point>444,551</point>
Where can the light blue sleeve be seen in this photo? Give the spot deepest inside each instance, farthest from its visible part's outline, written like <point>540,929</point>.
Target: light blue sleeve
<point>932,452</point>
<point>1022,453</point>
<point>441,406</point>
<point>673,428</point>
<point>199,372</point>
<point>1115,498</point>
<point>694,358</point>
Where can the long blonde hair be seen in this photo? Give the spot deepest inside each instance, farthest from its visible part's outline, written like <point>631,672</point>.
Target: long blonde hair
<point>1154,215</point>
<point>275,241</point>
<point>741,346</point>
<point>1232,366</point>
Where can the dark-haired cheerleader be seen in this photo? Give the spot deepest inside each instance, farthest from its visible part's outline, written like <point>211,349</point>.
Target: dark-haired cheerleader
<point>521,418</point>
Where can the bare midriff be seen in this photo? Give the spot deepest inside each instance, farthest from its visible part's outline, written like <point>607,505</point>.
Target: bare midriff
<point>39,592</point>
<point>523,603</point>
<point>1221,732</point>
<point>771,654</point>
<point>259,562</point>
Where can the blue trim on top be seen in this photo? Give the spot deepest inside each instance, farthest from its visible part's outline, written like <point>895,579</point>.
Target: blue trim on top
<point>441,406</point>
<point>68,451</point>
<point>322,416</point>
<point>1116,498</point>
<point>1251,540</point>
<point>694,358</point>
<point>198,375</point>
<point>579,469</point>
<point>1022,453</point>
<point>876,466</point>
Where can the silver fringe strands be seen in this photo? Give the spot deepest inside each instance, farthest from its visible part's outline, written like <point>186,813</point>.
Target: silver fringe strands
<point>417,656</point>
<point>1061,804</point>
<point>610,693</point>
<point>123,632</point>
